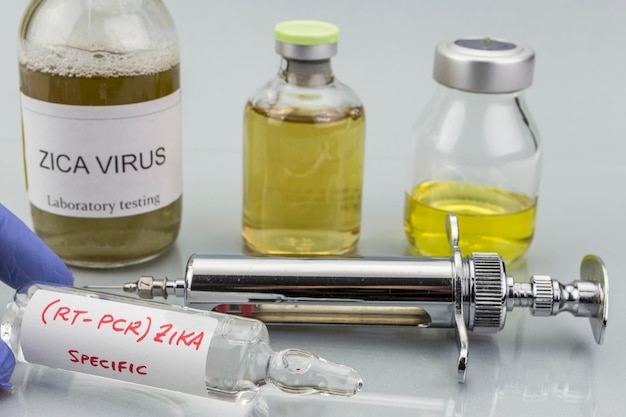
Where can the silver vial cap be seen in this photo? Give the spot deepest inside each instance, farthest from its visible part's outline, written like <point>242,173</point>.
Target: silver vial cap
<point>484,65</point>
<point>306,52</point>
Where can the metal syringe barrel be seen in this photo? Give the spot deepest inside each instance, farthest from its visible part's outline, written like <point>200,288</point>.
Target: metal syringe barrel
<point>427,282</point>
<point>239,279</point>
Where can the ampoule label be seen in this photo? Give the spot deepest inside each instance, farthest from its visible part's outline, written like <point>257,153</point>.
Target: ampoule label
<point>102,161</point>
<point>134,343</point>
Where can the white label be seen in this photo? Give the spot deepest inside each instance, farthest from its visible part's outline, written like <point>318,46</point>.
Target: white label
<point>149,346</point>
<point>103,161</point>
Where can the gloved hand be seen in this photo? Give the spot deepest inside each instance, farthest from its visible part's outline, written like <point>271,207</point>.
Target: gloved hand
<point>24,258</point>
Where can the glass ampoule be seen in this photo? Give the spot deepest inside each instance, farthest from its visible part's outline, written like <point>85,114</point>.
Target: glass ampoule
<point>101,126</point>
<point>161,345</point>
<point>304,138</point>
<point>476,152</point>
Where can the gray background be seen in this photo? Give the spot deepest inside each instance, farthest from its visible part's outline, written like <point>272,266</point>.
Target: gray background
<point>535,366</point>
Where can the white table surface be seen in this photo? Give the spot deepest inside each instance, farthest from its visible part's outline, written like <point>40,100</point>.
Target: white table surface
<point>535,366</point>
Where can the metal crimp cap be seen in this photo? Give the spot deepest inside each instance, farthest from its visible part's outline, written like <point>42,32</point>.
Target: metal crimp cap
<point>484,65</point>
<point>543,295</point>
<point>488,299</point>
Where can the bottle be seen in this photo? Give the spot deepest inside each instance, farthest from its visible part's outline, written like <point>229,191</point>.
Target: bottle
<point>101,123</point>
<point>304,138</point>
<point>477,152</point>
<point>161,345</point>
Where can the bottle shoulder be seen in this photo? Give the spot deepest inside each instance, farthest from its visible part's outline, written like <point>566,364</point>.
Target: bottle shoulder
<point>478,125</point>
<point>278,94</point>
<point>117,27</point>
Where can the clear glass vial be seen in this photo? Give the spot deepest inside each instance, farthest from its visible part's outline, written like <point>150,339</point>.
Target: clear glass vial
<point>304,138</point>
<point>198,352</point>
<point>476,152</point>
<point>101,128</point>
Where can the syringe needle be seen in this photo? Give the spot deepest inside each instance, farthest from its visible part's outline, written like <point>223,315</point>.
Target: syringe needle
<point>148,287</point>
<point>131,287</point>
<point>103,287</point>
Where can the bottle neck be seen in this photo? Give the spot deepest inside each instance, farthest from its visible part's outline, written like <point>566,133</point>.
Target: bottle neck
<point>478,99</point>
<point>306,73</point>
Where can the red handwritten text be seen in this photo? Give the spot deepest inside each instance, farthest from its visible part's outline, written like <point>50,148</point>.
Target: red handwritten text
<point>96,362</point>
<point>140,329</point>
<point>184,337</point>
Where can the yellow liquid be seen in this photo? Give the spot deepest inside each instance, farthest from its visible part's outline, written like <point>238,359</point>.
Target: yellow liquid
<point>490,219</point>
<point>104,242</point>
<point>302,181</point>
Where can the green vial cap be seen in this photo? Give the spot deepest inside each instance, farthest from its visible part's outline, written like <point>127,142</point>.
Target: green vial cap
<point>306,32</point>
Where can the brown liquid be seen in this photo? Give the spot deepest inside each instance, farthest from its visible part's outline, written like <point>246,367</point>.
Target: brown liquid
<point>104,242</point>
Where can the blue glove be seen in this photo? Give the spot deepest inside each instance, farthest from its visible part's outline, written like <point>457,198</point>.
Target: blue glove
<point>24,258</point>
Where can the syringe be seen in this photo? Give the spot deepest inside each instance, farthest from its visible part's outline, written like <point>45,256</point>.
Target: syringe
<point>465,293</point>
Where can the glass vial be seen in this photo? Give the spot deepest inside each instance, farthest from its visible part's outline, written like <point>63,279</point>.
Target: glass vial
<point>304,138</point>
<point>101,124</point>
<point>476,152</point>
<point>160,345</point>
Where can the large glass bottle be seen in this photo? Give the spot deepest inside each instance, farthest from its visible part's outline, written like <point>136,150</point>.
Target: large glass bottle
<point>304,135</point>
<point>101,128</point>
<point>477,152</point>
